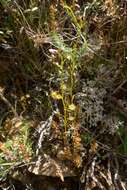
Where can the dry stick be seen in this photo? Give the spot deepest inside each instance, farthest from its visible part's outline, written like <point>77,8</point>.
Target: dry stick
<point>117,178</point>
<point>119,106</point>
<point>93,165</point>
<point>101,57</point>
<point>112,187</point>
<point>115,43</point>
<point>119,87</point>
<point>115,175</point>
<point>2,97</point>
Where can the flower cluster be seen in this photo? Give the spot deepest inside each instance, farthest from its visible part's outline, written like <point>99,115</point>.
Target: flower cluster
<point>90,100</point>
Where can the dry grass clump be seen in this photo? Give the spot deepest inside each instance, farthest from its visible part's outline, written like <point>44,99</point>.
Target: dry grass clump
<point>64,75</point>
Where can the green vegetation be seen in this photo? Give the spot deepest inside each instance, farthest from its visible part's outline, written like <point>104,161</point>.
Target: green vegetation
<point>63,90</point>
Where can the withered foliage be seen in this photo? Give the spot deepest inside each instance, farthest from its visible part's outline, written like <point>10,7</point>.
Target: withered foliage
<point>63,93</point>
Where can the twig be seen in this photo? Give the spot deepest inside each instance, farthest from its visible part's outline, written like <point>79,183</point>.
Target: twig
<point>44,129</point>
<point>119,87</point>
<point>2,97</point>
<point>119,106</point>
<point>117,179</point>
<point>115,43</point>
<point>94,177</point>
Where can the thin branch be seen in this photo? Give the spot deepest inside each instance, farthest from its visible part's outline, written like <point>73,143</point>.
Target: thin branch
<point>119,106</point>
<point>2,97</point>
